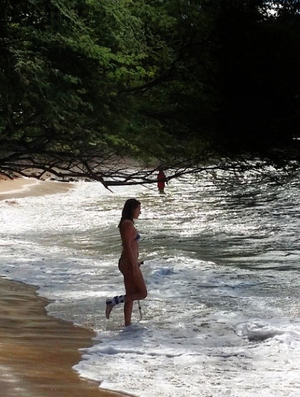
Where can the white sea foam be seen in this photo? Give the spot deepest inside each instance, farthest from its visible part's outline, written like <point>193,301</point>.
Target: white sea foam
<point>221,317</point>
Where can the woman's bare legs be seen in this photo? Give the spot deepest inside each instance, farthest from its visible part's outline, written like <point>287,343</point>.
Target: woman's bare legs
<point>135,289</point>
<point>128,312</point>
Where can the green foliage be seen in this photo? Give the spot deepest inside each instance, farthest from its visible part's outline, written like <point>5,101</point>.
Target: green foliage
<point>167,81</point>
<point>56,79</point>
<point>230,84</point>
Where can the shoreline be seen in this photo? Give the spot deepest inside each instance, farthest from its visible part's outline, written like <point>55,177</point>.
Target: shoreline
<point>26,187</point>
<point>38,351</point>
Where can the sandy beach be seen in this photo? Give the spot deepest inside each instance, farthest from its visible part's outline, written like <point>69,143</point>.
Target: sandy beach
<point>38,351</point>
<point>24,187</point>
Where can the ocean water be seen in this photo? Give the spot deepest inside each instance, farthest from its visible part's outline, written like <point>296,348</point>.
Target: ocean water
<point>221,263</point>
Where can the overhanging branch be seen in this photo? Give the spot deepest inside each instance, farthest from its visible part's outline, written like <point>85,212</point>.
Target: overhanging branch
<point>116,171</point>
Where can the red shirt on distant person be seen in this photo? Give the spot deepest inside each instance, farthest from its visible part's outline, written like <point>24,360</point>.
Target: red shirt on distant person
<point>161,179</point>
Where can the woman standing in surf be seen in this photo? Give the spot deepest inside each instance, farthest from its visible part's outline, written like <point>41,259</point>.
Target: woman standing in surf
<point>135,287</point>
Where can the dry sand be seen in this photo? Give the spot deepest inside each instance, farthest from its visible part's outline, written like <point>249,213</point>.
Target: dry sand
<point>37,351</point>
<point>24,187</point>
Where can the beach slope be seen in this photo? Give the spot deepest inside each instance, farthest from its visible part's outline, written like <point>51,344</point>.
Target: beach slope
<point>37,351</point>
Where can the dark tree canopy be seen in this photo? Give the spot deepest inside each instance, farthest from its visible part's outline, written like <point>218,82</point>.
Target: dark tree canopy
<point>188,85</point>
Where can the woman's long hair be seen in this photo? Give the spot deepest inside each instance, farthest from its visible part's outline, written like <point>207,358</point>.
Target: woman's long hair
<point>127,212</point>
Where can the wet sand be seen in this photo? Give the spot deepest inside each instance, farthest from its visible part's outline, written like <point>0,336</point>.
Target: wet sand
<point>37,352</point>
<point>24,187</point>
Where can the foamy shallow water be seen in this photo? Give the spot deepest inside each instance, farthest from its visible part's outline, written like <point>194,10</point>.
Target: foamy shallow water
<point>221,266</point>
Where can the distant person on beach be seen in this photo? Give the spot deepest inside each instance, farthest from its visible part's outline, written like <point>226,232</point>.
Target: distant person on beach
<point>129,265</point>
<point>161,181</point>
